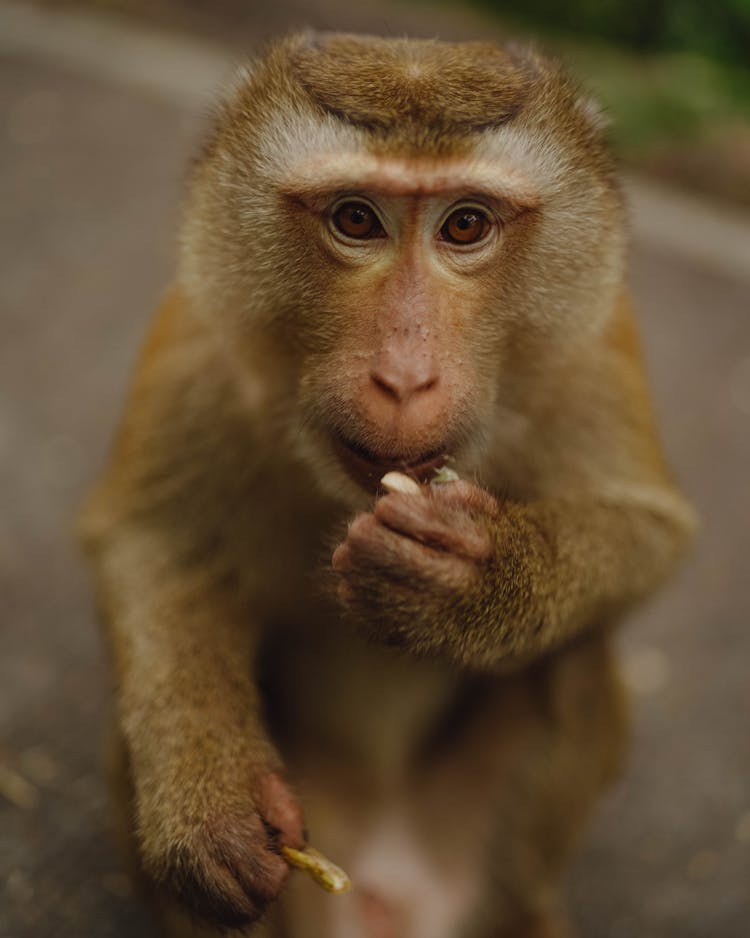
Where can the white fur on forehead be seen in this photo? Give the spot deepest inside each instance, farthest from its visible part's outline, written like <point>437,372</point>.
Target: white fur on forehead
<point>292,137</point>
<point>535,151</point>
<point>298,138</point>
<point>563,181</point>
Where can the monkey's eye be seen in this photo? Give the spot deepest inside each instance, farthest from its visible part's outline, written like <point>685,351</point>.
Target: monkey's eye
<point>357,220</point>
<point>465,226</point>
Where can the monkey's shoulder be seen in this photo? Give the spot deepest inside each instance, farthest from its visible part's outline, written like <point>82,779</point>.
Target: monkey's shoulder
<point>195,448</point>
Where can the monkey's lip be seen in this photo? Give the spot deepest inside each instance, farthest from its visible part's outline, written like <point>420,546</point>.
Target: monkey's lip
<point>367,467</point>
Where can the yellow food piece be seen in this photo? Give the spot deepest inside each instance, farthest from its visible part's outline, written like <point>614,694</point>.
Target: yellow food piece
<point>326,874</point>
<point>398,482</point>
<point>443,475</point>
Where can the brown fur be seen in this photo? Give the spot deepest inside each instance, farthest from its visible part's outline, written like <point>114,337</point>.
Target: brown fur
<point>382,83</point>
<point>284,360</point>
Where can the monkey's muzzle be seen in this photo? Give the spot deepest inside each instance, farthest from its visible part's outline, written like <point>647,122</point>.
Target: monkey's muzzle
<point>367,467</point>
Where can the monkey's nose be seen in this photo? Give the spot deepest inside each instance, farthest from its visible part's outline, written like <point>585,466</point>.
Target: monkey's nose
<point>402,384</point>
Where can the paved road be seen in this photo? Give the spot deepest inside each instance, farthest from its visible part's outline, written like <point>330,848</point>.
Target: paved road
<point>90,174</point>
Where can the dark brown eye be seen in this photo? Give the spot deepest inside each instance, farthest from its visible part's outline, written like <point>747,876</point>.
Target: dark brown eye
<point>465,226</point>
<point>357,220</point>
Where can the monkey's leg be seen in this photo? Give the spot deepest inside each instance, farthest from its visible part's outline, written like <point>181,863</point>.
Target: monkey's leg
<point>566,745</point>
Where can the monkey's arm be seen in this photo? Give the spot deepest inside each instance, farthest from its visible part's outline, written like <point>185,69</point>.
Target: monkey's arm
<point>210,807</point>
<point>487,583</point>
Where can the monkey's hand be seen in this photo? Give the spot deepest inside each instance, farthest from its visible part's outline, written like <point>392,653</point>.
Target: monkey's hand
<point>219,850</point>
<point>441,571</point>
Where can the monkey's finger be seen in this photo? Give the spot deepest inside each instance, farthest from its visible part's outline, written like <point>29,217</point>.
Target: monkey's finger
<point>374,550</point>
<point>280,809</point>
<point>369,545</point>
<point>245,849</point>
<point>466,495</point>
<point>216,896</point>
<point>345,592</point>
<point>229,873</point>
<point>423,520</point>
<point>263,876</point>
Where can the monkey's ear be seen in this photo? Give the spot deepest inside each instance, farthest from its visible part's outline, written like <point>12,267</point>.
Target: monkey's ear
<point>593,112</point>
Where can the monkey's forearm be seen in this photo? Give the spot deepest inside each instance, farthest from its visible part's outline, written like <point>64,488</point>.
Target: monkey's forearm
<point>560,566</point>
<point>453,572</point>
<point>208,792</point>
<point>182,654</point>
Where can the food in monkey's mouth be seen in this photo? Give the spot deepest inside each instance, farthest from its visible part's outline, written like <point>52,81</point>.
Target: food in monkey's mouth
<point>398,482</point>
<point>367,467</point>
<point>326,874</point>
<point>443,475</point>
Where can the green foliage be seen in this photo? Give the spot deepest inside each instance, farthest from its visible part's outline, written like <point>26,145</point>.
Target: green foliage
<point>660,97</point>
<point>720,29</point>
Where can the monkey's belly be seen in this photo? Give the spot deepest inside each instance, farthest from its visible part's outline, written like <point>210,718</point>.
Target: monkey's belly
<point>399,889</point>
<point>364,707</point>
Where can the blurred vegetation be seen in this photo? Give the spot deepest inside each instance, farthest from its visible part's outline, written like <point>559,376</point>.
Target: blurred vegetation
<point>718,29</point>
<point>654,98</point>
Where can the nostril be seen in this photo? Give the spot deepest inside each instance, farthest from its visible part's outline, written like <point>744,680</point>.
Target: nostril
<point>390,388</point>
<point>427,385</point>
<point>402,387</point>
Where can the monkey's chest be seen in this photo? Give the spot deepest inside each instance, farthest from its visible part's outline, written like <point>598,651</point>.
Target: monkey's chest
<point>329,691</point>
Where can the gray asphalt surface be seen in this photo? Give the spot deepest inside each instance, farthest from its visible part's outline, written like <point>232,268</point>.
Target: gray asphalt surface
<point>90,176</point>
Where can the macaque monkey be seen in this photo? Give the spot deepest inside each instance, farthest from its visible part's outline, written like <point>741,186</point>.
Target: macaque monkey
<point>396,256</point>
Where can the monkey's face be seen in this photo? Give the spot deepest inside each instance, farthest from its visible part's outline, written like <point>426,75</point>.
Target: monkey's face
<point>417,253</point>
<point>402,340</point>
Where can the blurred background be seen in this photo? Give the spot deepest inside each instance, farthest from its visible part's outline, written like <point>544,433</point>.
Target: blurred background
<point>101,106</point>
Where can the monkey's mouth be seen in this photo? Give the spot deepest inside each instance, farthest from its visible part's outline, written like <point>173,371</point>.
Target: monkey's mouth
<point>367,467</point>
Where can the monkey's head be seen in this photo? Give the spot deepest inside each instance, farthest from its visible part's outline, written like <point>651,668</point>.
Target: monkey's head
<point>408,228</point>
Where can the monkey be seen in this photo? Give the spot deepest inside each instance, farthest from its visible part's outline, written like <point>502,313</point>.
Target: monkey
<point>395,255</point>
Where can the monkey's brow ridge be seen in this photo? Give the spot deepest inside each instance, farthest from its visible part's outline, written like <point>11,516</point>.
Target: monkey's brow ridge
<point>385,84</point>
